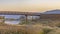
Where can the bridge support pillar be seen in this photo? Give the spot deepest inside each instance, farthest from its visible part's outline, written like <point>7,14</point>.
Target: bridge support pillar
<point>26,19</point>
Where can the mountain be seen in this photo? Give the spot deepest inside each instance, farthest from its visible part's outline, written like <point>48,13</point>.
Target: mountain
<point>52,12</point>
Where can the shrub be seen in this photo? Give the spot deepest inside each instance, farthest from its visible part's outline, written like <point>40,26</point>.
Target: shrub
<point>46,30</point>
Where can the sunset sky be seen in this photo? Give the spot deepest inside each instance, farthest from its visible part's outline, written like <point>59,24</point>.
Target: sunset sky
<point>29,5</point>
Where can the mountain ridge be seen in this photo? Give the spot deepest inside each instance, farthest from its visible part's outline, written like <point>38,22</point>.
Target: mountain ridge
<point>57,11</point>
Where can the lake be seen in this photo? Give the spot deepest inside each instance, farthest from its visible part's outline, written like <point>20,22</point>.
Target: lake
<point>12,22</point>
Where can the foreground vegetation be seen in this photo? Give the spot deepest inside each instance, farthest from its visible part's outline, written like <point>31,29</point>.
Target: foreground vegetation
<point>42,27</point>
<point>28,29</point>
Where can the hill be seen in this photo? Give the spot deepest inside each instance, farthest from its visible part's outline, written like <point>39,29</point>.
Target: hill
<point>57,11</point>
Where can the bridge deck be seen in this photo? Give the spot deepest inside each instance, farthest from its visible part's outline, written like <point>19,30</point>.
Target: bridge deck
<point>19,13</point>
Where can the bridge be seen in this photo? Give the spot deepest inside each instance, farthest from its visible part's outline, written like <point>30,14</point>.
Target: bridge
<point>20,13</point>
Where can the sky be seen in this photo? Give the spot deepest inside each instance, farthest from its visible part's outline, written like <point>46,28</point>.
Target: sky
<point>29,5</point>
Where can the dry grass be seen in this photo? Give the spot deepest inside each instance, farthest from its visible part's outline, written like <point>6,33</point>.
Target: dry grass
<point>42,28</point>
<point>24,29</point>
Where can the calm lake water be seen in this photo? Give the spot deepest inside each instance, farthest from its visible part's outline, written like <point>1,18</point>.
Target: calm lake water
<point>12,22</point>
<point>12,16</point>
<point>16,17</point>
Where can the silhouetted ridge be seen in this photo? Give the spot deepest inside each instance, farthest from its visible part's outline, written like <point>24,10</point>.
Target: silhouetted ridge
<point>52,12</point>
